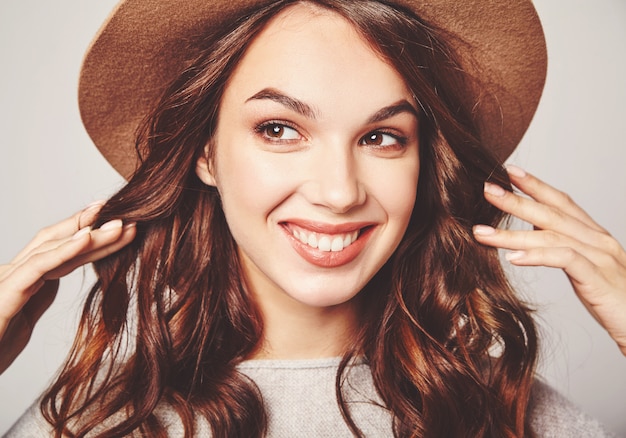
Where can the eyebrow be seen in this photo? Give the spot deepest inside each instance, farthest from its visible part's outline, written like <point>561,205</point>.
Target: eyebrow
<point>402,106</point>
<point>294,104</point>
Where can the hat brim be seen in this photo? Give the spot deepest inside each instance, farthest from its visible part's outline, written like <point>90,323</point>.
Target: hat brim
<point>143,43</point>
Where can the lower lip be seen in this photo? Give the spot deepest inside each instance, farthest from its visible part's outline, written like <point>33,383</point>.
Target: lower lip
<point>330,259</point>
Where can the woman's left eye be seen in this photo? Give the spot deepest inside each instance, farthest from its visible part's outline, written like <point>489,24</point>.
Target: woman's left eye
<point>278,131</point>
<point>382,140</point>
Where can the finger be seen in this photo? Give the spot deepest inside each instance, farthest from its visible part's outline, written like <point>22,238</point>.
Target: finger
<point>104,243</point>
<point>46,246</point>
<point>576,267</point>
<point>590,281</point>
<point>543,216</point>
<point>25,279</point>
<point>61,230</point>
<point>548,195</point>
<point>605,299</point>
<point>524,240</point>
<point>102,236</point>
<point>105,240</point>
<point>583,274</point>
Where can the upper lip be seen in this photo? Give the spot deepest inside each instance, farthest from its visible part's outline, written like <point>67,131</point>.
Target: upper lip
<point>326,228</point>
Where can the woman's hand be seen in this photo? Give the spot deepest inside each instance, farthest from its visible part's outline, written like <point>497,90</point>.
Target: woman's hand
<point>565,237</point>
<point>29,283</point>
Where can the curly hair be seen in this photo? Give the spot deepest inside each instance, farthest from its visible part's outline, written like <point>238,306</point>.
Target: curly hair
<point>169,319</point>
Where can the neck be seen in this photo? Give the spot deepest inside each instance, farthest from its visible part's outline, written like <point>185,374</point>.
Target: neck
<point>315,333</point>
<point>293,330</point>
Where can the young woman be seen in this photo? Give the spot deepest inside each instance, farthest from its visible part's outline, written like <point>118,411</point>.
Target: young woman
<point>307,243</point>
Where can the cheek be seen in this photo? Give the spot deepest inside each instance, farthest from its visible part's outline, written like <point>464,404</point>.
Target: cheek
<point>248,183</point>
<point>396,189</point>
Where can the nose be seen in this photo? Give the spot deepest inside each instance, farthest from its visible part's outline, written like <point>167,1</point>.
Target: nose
<point>335,179</point>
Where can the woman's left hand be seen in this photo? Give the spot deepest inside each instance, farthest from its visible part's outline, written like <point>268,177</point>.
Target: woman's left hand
<point>565,237</point>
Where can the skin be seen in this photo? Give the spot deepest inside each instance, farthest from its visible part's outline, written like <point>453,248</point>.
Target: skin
<point>29,283</point>
<point>316,166</point>
<point>564,236</point>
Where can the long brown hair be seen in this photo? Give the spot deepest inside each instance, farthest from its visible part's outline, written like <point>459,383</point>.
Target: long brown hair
<point>169,318</point>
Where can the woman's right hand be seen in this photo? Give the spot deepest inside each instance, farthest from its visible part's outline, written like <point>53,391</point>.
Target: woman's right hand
<point>29,283</point>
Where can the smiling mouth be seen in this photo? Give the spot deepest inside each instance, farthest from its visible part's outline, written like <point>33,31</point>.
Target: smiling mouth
<point>324,242</point>
<point>335,239</point>
<point>328,245</point>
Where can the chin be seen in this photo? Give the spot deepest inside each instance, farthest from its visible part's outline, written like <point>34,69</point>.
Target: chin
<point>320,298</point>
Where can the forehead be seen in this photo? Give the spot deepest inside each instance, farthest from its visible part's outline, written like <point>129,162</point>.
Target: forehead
<point>315,55</point>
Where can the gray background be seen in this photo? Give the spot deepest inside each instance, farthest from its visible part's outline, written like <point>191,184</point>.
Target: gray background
<point>49,169</point>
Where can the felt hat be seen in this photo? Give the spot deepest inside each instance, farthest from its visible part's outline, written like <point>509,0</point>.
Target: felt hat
<point>143,44</point>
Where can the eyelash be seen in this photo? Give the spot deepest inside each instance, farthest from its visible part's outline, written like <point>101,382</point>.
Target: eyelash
<point>400,140</point>
<point>263,128</point>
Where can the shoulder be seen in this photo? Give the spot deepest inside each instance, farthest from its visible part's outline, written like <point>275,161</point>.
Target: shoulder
<point>30,424</point>
<point>553,415</point>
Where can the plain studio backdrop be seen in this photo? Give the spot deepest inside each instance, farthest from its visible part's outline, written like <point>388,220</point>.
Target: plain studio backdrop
<point>50,169</point>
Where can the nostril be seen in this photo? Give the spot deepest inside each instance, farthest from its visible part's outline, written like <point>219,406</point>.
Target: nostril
<point>341,197</point>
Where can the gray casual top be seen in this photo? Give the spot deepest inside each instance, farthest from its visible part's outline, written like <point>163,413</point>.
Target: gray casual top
<point>299,397</point>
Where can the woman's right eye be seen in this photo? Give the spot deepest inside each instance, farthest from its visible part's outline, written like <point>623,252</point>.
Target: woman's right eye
<point>275,131</point>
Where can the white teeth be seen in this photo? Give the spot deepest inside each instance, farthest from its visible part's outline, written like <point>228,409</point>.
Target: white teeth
<point>303,238</point>
<point>337,244</point>
<point>325,242</point>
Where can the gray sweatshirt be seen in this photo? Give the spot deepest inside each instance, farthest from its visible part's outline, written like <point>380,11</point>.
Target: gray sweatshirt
<point>299,397</point>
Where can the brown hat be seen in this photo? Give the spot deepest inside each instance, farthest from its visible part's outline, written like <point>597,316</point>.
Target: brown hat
<point>143,44</point>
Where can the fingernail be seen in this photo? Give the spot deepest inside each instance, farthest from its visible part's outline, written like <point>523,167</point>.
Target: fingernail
<point>494,189</point>
<point>484,230</point>
<point>514,255</point>
<point>95,204</point>
<point>81,232</point>
<point>130,225</point>
<point>515,171</point>
<point>112,225</point>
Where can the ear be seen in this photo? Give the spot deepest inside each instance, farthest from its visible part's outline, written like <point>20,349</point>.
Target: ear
<point>205,172</point>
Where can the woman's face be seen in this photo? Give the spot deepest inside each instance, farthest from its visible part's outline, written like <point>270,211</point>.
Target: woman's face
<point>316,159</point>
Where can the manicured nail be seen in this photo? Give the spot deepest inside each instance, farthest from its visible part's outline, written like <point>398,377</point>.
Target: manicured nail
<point>111,225</point>
<point>81,233</point>
<point>515,171</point>
<point>484,230</point>
<point>514,255</point>
<point>494,189</point>
<point>95,204</point>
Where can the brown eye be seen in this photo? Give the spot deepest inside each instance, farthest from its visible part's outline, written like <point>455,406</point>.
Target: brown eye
<point>373,139</point>
<point>278,131</point>
<point>382,140</point>
<point>275,131</point>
